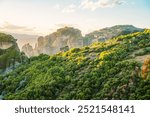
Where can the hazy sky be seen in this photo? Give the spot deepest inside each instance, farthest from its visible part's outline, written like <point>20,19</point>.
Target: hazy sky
<point>45,16</point>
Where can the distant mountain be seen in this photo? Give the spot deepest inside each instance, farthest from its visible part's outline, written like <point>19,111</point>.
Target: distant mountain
<point>69,37</point>
<point>108,33</point>
<point>65,37</point>
<point>118,69</point>
<point>10,55</point>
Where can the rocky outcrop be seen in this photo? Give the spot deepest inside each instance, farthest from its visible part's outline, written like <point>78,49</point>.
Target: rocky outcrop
<point>5,45</point>
<point>27,48</point>
<point>53,43</point>
<point>10,55</point>
<point>146,68</point>
<point>7,41</point>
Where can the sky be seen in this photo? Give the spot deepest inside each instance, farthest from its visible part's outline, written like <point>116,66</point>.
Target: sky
<point>42,17</point>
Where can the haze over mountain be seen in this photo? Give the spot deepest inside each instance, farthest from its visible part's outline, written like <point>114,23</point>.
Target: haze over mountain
<point>22,39</point>
<point>66,38</point>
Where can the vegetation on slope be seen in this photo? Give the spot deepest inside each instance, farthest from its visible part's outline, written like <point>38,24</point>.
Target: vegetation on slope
<point>104,70</point>
<point>108,33</point>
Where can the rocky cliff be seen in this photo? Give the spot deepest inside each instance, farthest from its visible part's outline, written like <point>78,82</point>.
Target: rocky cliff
<point>5,45</point>
<point>10,55</point>
<point>27,48</point>
<point>7,41</point>
<point>53,43</point>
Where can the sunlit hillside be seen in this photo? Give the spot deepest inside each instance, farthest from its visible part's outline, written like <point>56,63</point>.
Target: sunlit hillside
<point>116,69</point>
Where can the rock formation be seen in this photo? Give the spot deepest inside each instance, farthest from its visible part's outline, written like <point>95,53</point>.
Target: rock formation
<point>5,45</point>
<point>53,43</point>
<point>27,48</point>
<point>146,68</point>
<point>10,55</point>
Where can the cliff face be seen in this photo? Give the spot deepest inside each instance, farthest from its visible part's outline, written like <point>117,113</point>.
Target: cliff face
<point>27,48</point>
<point>7,41</point>
<point>146,68</point>
<point>10,55</point>
<point>5,45</point>
<point>53,43</point>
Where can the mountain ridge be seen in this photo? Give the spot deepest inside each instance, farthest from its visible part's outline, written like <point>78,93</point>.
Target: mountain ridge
<point>63,37</point>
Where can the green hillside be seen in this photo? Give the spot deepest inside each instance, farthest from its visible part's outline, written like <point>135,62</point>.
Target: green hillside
<point>103,70</point>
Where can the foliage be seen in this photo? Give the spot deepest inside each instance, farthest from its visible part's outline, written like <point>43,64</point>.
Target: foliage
<point>100,71</point>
